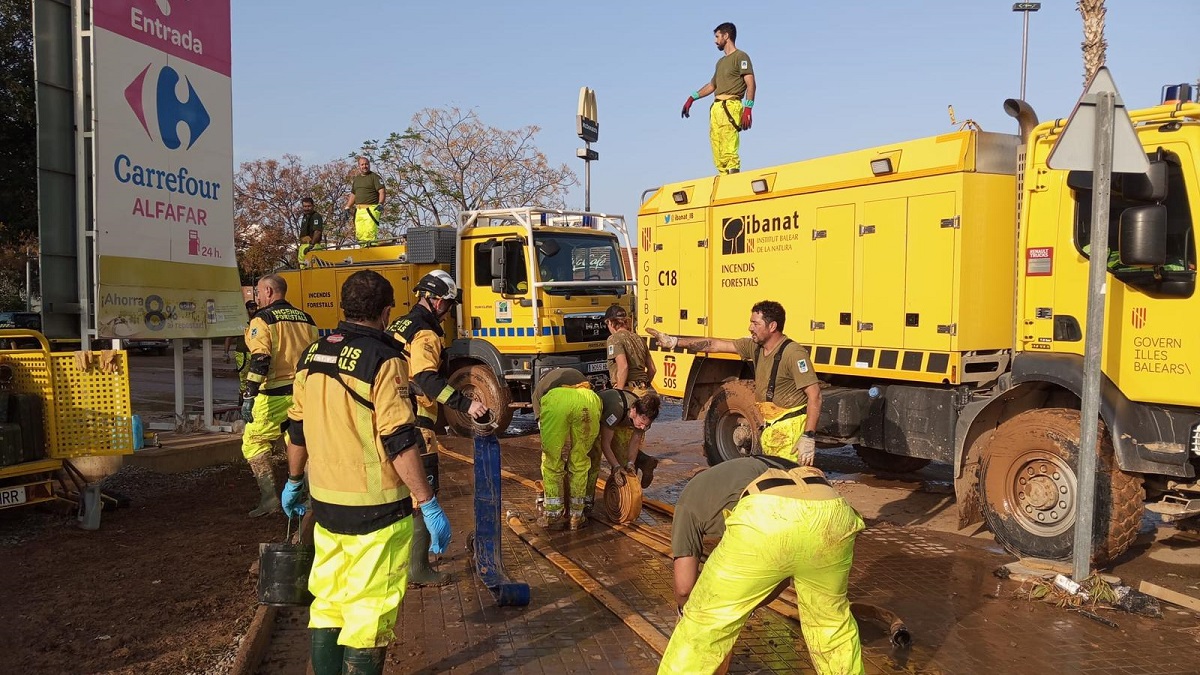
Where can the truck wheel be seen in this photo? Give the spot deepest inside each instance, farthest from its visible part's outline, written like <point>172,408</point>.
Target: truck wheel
<point>1028,488</point>
<point>477,381</point>
<point>732,423</point>
<point>881,460</point>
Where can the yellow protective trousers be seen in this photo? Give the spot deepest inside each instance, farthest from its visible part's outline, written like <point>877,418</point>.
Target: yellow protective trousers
<point>570,424</point>
<point>784,428</point>
<point>769,538</point>
<point>270,412</point>
<point>620,447</point>
<point>366,223</point>
<point>724,134</point>
<point>303,251</point>
<point>358,581</point>
<point>242,361</point>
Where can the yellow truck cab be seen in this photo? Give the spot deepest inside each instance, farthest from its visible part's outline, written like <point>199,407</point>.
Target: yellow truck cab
<point>535,282</point>
<point>940,286</point>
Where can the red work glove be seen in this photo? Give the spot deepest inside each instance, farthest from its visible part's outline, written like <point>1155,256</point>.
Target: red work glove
<point>687,107</point>
<point>746,119</point>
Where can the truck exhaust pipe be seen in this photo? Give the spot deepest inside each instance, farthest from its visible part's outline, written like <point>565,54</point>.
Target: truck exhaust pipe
<point>1024,114</point>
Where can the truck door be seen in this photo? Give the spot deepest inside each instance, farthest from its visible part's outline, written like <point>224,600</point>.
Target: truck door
<point>880,265</point>
<point>679,278</point>
<point>834,283</point>
<point>929,272</point>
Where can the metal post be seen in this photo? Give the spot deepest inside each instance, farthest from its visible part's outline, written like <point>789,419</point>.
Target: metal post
<point>1094,342</point>
<point>177,348</point>
<point>208,384</point>
<point>1025,8</point>
<point>587,181</point>
<point>28,282</point>
<point>82,224</point>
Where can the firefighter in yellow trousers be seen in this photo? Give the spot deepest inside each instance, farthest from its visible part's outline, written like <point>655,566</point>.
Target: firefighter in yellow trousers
<point>352,427</point>
<point>784,523</point>
<point>733,87</point>
<point>277,335</point>
<point>365,201</point>
<point>568,413</point>
<point>786,389</point>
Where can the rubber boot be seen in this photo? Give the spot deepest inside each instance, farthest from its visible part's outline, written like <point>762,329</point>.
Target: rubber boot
<point>268,497</point>
<point>419,571</point>
<point>364,661</point>
<point>646,464</point>
<point>326,653</point>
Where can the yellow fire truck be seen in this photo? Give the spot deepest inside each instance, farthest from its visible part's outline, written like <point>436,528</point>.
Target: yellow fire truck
<point>535,284</point>
<point>940,285</point>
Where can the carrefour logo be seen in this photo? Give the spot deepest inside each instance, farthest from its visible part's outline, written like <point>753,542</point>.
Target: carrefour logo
<point>169,110</point>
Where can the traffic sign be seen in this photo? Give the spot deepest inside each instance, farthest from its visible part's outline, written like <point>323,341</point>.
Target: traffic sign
<point>1076,147</point>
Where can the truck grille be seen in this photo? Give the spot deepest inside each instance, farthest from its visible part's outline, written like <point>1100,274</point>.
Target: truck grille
<point>584,328</point>
<point>1196,439</point>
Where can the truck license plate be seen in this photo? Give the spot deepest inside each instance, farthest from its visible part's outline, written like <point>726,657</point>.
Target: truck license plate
<point>599,367</point>
<point>11,496</point>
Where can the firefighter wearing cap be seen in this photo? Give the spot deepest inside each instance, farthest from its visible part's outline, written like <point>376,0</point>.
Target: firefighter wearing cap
<point>352,428</point>
<point>366,198</point>
<point>631,369</point>
<point>780,522</point>
<point>787,391</point>
<point>419,334</point>
<point>278,334</point>
<point>734,86</point>
<point>624,419</point>
<point>568,414</point>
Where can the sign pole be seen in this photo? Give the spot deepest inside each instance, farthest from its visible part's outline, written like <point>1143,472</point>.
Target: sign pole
<point>1094,343</point>
<point>587,127</point>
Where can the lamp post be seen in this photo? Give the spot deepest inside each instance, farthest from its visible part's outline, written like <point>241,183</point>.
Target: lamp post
<point>1025,8</point>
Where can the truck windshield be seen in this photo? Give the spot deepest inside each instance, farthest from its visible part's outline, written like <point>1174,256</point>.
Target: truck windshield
<point>579,257</point>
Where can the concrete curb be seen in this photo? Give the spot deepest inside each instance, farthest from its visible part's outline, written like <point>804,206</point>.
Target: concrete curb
<point>255,643</point>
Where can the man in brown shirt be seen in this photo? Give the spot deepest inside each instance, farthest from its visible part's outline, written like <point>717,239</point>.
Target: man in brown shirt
<point>366,199</point>
<point>734,87</point>
<point>786,388</point>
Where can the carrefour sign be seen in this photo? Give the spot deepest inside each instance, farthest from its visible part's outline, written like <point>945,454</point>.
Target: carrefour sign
<point>164,168</point>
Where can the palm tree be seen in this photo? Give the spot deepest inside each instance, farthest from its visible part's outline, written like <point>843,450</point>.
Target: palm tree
<point>1094,44</point>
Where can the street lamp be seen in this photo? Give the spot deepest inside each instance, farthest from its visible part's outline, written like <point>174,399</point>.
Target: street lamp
<point>1025,8</point>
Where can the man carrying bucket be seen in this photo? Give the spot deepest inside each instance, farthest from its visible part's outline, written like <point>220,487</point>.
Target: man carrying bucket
<point>351,394</point>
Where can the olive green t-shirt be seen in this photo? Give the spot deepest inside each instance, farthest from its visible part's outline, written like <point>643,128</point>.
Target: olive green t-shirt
<point>366,188</point>
<point>612,412</point>
<point>310,223</point>
<point>795,372</point>
<point>555,378</point>
<point>700,511</point>
<point>636,356</point>
<point>729,78</point>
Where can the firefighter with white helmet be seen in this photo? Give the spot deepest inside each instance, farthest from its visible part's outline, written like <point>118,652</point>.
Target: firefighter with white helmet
<point>420,334</point>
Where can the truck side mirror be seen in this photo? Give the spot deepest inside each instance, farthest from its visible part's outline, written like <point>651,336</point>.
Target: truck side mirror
<point>1143,235</point>
<point>1148,187</point>
<point>499,262</point>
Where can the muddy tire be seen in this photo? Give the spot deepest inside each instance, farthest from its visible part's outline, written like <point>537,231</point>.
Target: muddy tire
<point>1028,488</point>
<point>731,423</point>
<point>477,381</point>
<point>881,460</point>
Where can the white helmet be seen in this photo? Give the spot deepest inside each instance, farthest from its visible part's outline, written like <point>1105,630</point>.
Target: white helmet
<point>438,284</point>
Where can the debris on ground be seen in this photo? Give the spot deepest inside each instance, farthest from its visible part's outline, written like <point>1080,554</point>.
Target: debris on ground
<point>1094,592</point>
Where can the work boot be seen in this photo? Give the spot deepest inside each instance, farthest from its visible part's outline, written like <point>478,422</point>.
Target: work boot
<point>326,653</point>
<point>419,571</point>
<point>578,521</point>
<point>364,661</point>
<point>588,504</point>
<point>646,464</point>
<point>552,522</point>
<point>260,466</point>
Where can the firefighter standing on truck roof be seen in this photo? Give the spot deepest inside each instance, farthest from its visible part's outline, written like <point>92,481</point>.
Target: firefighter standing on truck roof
<point>420,334</point>
<point>629,369</point>
<point>352,426</point>
<point>312,229</point>
<point>734,87</point>
<point>785,523</point>
<point>278,335</point>
<point>786,388</point>
<point>364,202</point>
<point>568,414</point>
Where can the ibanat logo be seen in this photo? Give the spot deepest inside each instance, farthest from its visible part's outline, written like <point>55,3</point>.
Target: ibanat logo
<point>168,109</point>
<point>735,230</point>
<point>161,30</point>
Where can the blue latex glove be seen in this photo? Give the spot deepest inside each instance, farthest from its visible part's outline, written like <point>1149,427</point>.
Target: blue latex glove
<point>248,409</point>
<point>437,524</point>
<point>293,498</point>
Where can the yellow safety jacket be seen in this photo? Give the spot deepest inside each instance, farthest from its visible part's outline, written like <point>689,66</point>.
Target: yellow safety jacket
<point>351,410</point>
<point>420,335</point>
<point>278,335</point>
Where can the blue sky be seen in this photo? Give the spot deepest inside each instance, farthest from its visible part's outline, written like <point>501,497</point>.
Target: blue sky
<point>316,78</point>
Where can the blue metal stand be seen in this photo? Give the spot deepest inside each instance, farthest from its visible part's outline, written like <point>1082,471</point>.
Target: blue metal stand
<point>485,541</point>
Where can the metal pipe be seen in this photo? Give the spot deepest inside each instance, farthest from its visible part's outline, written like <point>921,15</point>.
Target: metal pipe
<point>1094,335</point>
<point>1024,51</point>
<point>1023,112</point>
<point>81,187</point>
<point>208,384</point>
<point>177,348</point>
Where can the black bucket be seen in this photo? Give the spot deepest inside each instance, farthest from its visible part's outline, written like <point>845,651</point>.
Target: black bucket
<point>283,573</point>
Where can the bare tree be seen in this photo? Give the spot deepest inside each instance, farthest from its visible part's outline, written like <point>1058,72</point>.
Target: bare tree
<point>1095,47</point>
<point>447,161</point>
